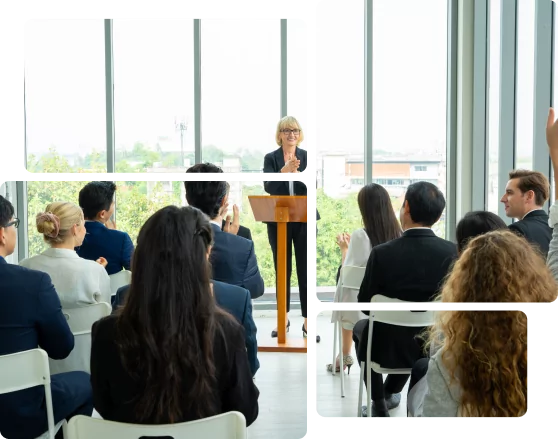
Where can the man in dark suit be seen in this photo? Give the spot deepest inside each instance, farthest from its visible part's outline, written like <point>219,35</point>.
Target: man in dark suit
<point>233,258</point>
<point>526,193</point>
<point>97,202</point>
<point>411,268</point>
<point>236,301</point>
<point>31,317</point>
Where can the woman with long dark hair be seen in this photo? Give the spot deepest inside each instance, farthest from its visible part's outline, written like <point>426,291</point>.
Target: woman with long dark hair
<point>380,225</point>
<point>170,355</point>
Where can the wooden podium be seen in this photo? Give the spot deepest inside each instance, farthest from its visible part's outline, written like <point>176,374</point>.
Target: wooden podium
<point>280,210</point>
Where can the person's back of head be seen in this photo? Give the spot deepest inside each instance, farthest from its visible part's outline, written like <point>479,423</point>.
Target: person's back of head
<point>474,224</point>
<point>166,328</point>
<point>61,221</point>
<point>208,196</point>
<point>7,227</point>
<point>380,222</point>
<point>486,351</point>
<point>96,197</point>
<point>423,205</point>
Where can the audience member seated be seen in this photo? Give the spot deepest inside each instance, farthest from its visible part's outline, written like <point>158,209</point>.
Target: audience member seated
<point>78,282</point>
<point>479,353</point>
<point>170,354</point>
<point>552,140</point>
<point>233,259</point>
<point>236,301</point>
<point>410,268</point>
<point>471,225</point>
<point>31,317</point>
<point>380,225</point>
<point>526,193</point>
<point>97,201</point>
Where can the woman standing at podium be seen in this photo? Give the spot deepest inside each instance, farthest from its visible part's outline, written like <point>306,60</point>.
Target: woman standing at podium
<point>289,158</point>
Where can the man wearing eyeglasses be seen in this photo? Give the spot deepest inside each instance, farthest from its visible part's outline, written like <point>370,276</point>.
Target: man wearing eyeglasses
<point>31,317</point>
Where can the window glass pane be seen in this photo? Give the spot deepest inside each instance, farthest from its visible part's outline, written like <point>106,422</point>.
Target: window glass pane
<point>493,105</point>
<point>525,83</point>
<point>240,91</point>
<point>65,95</point>
<point>340,132</point>
<point>409,102</point>
<point>297,58</point>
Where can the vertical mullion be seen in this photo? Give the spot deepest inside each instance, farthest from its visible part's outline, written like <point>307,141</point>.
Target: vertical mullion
<point>368,83</point>
<point>21,212</point>
<point>109,94</point>
<point>197,92</point>
<point>24,124</point>
<point>284,71</point>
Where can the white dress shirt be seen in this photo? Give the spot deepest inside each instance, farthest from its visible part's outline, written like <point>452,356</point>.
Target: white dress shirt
<point>357,256</point>
<point>78,282</point>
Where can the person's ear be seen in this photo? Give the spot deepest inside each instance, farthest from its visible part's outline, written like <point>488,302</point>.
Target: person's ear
<point>225,200</point>
<point>530,195</point>
<point>2,236</point>
<point>208,251</point>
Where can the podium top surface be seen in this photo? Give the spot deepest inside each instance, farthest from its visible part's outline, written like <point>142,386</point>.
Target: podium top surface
<point>264,207</point>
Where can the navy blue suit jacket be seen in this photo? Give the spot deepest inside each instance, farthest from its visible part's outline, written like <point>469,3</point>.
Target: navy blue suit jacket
<point>30,317</point>
<point>113,245</point>
<point>233,261</point>
<point>235,301</point>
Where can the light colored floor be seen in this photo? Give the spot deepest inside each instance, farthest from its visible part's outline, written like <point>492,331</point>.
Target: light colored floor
<point>294,387</point>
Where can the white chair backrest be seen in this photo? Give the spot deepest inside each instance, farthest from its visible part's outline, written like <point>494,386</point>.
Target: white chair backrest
<point>26,369</point>
<point>81,319</point>
<point>351,276</point>
<point>120,279</point>
<point>231,425</point>
<point>399,312</point>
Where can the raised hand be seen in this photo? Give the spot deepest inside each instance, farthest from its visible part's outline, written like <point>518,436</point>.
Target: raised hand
<point>552,136</point>
<point>102,261</point>
<point>234,225</point>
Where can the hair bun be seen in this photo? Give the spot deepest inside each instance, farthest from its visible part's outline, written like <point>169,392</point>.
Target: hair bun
<point>48,224</point>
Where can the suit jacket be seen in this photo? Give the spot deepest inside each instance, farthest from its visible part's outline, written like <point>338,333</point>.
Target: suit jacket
<point>410,268</point>
<point>274,162</point>
<point>113,245</point>
<point>115,391</point>
<point>243,232</point>
<point>233,261</point>
<point>234,300</point>
<point>30,317</point>
<point>535,229</point>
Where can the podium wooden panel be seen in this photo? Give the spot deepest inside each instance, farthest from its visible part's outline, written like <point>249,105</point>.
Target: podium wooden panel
<point>280,210</point>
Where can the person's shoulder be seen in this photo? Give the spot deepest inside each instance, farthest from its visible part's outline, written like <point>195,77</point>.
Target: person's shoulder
<point>271,154</point>
<point>222,287</point>
<point>92,266</point>
<point>26,272</point>
<point>360,234</point>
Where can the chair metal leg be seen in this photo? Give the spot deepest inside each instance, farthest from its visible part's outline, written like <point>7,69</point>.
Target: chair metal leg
<point>341,364</point>
<point>335,326</point>
<point>359,401</point>
<point>368,389</point>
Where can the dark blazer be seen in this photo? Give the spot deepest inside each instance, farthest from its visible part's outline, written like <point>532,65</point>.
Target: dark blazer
<point>234,300</point>
<point>115,391</point>
<point>30,317</point>
<point>410,268</point>
<point>243,232</point>
<point>535,229</point>
<point>233,261</point>
<point>274,162</point>
<point>113,245</point>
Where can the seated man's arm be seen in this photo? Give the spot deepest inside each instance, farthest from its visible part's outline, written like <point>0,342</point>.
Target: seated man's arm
<point>127,251</point>
<point>250,331</point>
<point>369,286</point>
<point>253,280</point>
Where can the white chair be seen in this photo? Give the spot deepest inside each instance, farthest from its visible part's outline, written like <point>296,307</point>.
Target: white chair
<point>231,425</point>
<point>350,277</point>
<point>415,319</point>
<point>120,279</point>
<point>80,321</point>
<point>27,369</point>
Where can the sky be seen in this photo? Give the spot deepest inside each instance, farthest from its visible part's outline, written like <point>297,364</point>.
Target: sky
<point>153,74</point>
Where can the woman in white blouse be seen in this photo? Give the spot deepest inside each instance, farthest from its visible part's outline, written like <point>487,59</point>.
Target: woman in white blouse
<point>380,226</point>
<point>78,282</point>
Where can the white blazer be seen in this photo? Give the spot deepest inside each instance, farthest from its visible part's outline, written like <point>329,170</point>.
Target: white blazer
<point>77,281</point>
<point>357,256</point>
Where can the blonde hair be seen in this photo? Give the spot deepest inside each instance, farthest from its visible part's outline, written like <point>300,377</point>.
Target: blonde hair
<point>56,222</point>
<point>291,123</point>
<point>485,352</point>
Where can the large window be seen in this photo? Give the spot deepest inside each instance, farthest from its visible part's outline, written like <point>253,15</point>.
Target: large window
<point>241,67</point>
<point>340,128</point>
<point>525,83</point>
<point>409,96</point>
<point>493,105</point>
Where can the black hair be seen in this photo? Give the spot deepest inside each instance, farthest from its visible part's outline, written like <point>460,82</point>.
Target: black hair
<point>426,203</point>
<point>6,211</point>
<point>95,197</point>
<point>377,213</point>
<point>474,224</point>
<point>206,195</point>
